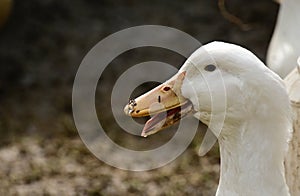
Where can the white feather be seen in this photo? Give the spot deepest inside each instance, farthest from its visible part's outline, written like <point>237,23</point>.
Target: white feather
<point>284,48</point>
<point>254,137</point>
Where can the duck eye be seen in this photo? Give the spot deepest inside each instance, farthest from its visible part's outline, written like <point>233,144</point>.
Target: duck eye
<point>210,68</point>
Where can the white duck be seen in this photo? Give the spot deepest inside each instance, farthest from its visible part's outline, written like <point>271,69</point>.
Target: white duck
<point>292,160</point>
<point>254,137</point>
<point>282,57</point>
<point>284,48</point>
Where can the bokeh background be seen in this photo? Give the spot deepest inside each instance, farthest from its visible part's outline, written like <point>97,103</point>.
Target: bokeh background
<point>41,46</point>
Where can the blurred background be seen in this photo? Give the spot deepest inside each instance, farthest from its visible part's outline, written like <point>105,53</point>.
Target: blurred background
<point>42,44</point>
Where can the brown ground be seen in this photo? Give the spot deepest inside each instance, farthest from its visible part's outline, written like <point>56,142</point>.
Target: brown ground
<point>41,48</point>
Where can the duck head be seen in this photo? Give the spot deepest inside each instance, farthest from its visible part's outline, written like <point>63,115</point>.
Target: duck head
<point>215,84</point>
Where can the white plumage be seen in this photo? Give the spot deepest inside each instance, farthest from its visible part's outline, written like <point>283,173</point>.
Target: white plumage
<point>243,103</point>
<point>255,134</point>
<point>292,160</point>
<point>284,48</point>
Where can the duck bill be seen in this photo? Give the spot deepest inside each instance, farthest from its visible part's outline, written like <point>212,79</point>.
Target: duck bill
<point>166,119</point>
<point>164,103</point>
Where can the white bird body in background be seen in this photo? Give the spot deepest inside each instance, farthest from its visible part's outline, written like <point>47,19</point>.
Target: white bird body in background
<point>252,142</point>
<point>284,48</point>
<point>292,160</point>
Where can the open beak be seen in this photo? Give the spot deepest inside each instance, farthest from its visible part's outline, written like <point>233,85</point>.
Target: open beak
<point>164,102</point>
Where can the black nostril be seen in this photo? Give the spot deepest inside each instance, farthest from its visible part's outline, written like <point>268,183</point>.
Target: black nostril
<point>159,99</point>
<point>166,88</point>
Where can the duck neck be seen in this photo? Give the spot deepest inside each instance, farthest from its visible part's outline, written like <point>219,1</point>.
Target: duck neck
<point>252,160</point>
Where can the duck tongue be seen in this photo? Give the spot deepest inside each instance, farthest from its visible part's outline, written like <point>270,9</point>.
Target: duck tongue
<point>165,119</point>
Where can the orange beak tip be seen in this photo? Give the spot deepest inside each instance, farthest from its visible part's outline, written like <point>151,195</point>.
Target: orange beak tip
<point>128,111</point>
<point>144,134</point>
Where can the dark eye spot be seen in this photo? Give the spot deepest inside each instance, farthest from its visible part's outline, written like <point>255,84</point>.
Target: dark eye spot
<point>166,88</point>
<point>210,68</point>
<point>137,111</point>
